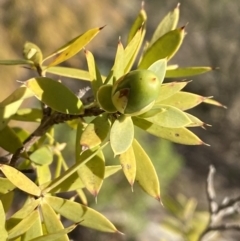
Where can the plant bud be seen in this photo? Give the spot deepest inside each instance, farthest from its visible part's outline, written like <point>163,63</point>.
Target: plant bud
<point>32,52</point>
<point>136,92</point>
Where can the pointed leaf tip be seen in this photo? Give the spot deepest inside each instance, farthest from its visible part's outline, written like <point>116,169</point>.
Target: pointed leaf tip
<point>103,27</point>
<point>178,5</point>
<point>205,144</point>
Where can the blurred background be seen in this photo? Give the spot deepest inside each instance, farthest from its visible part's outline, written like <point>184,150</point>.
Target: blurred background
<point>213,39</point>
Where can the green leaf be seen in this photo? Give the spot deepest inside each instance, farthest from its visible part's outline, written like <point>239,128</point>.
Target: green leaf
<point>169,23</point>
<point>16,62</point>
<point>188,71</point>
<point>170,117</point>
<point>23,225</point>
<point>128,163</point>
<point>55,236</point>
<point>104,98</point>
<point>42,156</point>
<point>28,114</point>
<point>95,132</point>
<point>80,213</point>
<point>164,47</point>
<point>34,231</point>
<point>170,89</point>
<point>20,180</point>
<point>56,182</point>
<point>55,95</point>
<point>177,135</point>
<point>139,21</point>
<point>11,104</point>
<point>51,220</point>
<point>159,68</point>
<point>92,173</point>
<point>69,72</point>
<point>3,231</point>
<point>183,100</point>
<point>73,47</point>
<point>9,140</point>
<point>146,174</point>
<point>121,134</point>
<point>96,78</point>
<point>5,185</point>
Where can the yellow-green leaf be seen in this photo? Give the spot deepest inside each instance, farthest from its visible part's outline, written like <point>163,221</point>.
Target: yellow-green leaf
<point>213,102</point>
<point>178,135</point>
<point>32,52</point>
<point>23,225</point>
<point>169,116</point>
<point>69,72</point>
<point>183,100</point>
<point>121,134</point>
<point>34,231</point>
<point>139,21</point>
<point>55,95</point>
<point>5,185</point>
<point>16,62</point>
<point>168,23</point>
<point>133,48</point>
<point>51,220</point>
<point>29,206</point>
<point>128,163</point>
<point>3,231</point>
<point>188,71</point>
<point>96,78</point>
<point>92,173</point>
<point>82,197</point>
<point>146,174</point>
<point>56,182</point>
<point>118,68</point>
<point>11,104</point>
<point>43,174</point>
<point>74,46</point>
<point>74,182</point>
<point>55,236</point>
<point>7,200</point>
<point>42,156</point>
<point>195,121</point>
<point>164,47</point>
<point>170,89</point>
<point>104,98</point>
<point>80,213</point>
<point>20,180</point>
<point>95,132</point>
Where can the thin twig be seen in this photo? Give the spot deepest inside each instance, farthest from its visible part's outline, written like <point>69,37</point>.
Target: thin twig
<point>46,124</point>
<point>218,212</point>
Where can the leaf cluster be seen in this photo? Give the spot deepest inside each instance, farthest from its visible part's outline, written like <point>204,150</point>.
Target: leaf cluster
<point>166,118</point>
